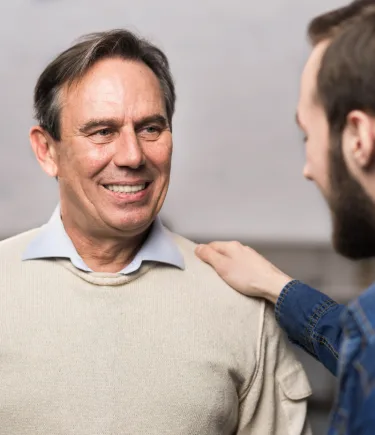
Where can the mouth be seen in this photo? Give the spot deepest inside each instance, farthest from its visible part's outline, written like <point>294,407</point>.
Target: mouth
<point>130,189</point>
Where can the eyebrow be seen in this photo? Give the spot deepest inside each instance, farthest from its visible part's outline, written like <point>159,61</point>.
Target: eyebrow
<point>115,123</point>
<point>153,119</point>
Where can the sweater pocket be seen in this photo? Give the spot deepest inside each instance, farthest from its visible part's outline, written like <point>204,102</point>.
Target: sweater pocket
<point>294,389</point>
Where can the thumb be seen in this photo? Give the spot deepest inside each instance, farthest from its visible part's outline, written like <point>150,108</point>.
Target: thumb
<point>212,257</point>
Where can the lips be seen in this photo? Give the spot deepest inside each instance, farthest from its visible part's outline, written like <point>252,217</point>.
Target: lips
<point>126,188</point>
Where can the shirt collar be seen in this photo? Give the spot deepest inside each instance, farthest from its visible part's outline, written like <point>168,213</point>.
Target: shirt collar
<point>52,241</point>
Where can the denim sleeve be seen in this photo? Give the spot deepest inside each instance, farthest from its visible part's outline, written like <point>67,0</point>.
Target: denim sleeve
<point>354,408</point>
<point>312,321</point>
<point>361,415</point>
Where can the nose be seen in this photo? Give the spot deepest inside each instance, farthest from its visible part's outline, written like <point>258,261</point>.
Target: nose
<point>128,152</point>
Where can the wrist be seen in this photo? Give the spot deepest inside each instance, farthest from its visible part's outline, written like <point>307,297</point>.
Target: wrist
<point>273,293</point>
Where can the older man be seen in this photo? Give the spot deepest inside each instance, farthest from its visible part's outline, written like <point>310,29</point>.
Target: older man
<point>109,324</point>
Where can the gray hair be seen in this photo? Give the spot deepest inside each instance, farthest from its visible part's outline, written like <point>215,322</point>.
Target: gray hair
<point>73,63</point>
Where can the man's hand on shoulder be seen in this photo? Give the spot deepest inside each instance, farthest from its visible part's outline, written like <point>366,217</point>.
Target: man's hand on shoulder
<point>244,269</point>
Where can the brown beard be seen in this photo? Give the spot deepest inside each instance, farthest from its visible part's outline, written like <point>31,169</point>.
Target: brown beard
<point>352,210</point>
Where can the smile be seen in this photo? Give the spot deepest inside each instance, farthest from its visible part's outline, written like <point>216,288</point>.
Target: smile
<point>121,188</point>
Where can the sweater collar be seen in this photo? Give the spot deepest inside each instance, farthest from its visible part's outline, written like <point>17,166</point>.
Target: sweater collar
<point>53,242</point>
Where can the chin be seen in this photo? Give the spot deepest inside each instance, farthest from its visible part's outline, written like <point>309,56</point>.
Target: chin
<point>135,226</point>
<point>353,250</point>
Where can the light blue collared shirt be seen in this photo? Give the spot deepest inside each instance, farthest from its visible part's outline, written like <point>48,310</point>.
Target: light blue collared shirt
<point>53,242</point>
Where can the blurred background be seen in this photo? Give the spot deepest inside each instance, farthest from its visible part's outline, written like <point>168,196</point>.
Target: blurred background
<point>237,167</point>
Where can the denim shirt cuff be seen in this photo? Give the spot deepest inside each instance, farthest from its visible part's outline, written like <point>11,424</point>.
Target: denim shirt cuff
<point>298,311</point>
<point>281,301</point>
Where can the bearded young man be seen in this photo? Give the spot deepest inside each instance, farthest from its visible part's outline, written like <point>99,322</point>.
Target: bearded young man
<point>336,112</point>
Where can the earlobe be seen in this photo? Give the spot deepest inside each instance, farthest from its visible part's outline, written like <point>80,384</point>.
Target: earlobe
<point>44,150</point>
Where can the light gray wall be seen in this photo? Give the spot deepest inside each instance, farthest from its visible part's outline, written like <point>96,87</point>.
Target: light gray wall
<point>238,156</point>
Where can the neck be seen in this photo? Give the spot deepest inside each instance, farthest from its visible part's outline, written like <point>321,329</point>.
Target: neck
<point>103,254</point>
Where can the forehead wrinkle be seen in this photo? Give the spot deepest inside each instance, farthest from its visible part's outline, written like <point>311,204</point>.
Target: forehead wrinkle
<point>101,95</point>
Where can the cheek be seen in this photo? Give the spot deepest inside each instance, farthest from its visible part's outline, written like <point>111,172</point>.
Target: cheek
<point>84,160</point>
<point>160,157</point>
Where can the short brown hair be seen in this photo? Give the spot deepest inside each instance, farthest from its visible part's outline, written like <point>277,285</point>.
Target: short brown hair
<point>329,24</point>
<point>73,63</point>
<point>346,79</point>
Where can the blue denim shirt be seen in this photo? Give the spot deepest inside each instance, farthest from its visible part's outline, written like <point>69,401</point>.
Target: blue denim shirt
<point>343,339</point>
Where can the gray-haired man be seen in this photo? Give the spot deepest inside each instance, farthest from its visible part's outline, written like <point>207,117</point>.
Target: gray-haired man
<point>109,323</point>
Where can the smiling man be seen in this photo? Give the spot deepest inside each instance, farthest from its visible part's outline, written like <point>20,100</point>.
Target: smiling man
<point>109,323</point>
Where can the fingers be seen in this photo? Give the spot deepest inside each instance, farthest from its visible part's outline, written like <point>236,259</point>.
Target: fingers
<point>223,248</point>
<point>228,249</point>
<point>211,256</point>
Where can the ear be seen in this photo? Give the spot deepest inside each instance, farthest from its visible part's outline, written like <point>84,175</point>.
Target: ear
<point>359,139</point>
<point>44,148</point>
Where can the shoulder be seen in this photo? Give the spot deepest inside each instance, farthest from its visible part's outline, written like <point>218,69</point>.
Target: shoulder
<point>187,248</point>
<point>193,265</point>
<point>13,247</point>
<point>358,348</point>
<point>361,311</point>
<point>209,284</point>
<point>368,296</point>
<point>192,262</point>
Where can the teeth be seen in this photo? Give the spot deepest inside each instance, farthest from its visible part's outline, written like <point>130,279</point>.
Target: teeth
<point>125,189</point>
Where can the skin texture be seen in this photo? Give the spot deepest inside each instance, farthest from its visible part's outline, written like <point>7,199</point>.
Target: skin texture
<point>114,131</point>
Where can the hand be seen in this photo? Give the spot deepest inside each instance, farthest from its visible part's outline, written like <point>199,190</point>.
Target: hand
<point>244,269</point>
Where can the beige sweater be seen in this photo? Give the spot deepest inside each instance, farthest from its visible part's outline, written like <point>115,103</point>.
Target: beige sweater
<point>163,351</point>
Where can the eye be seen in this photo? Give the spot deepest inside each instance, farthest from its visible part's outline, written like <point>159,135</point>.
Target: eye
<point>151,129</point>
<point>104,132</point>
<point>103,135</point>
<point>150,132</point>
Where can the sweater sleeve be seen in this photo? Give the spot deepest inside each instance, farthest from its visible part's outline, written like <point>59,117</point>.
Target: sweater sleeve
<point>279,388</point>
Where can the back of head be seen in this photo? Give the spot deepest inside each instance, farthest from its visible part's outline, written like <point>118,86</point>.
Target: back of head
<point>346,78</point>
<point>72,64</point>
